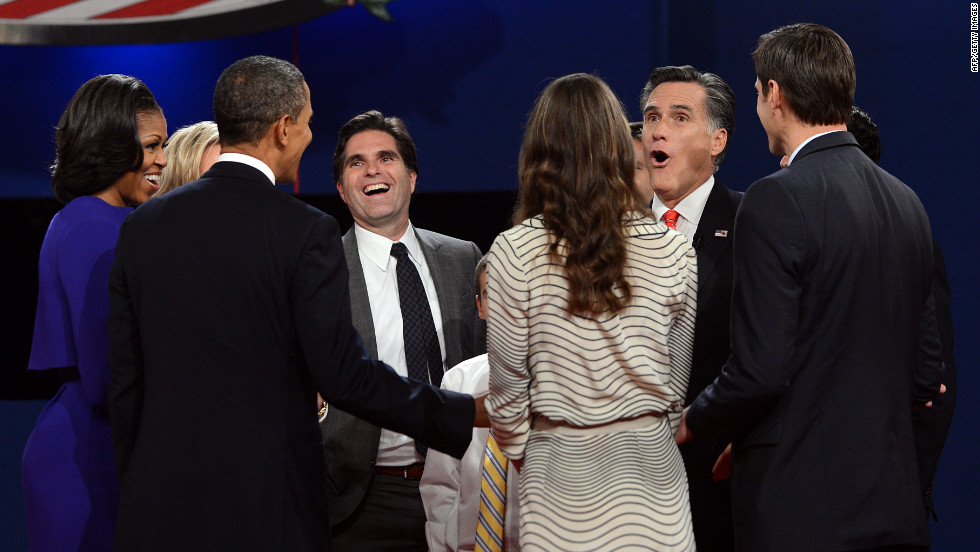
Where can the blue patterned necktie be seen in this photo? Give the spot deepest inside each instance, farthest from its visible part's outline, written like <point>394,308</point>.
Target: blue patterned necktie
<point>422,352</point>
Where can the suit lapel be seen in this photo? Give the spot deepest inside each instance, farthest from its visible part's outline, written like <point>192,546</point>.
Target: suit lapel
<point>359,302</point>
<point>718,214</point>
<point>441,270</point>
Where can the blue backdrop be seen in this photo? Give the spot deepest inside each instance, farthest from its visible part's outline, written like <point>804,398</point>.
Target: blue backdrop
<point>464,73</point>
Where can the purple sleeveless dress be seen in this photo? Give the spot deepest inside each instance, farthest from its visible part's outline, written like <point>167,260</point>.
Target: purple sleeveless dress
<point>71,488</point>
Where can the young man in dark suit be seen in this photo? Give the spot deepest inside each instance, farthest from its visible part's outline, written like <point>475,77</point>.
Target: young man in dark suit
<point>831,324</point>
<point>229,312</point>
<point>930,425</point>
<point>373,475</point>
<point>688,120</point>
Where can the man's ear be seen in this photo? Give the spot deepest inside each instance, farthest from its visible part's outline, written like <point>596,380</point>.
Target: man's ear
<point>281,129</point>
<point>719,139</point>
<point>340,189</point>
<point>479,308</point>
<point>775,97</point>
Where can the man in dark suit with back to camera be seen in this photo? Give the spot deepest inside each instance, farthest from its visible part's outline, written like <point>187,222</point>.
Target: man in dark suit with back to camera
<point>373,474</point>
<point>833,333</point>
<point>688,120</point>
<point>930,425</point>
<point>229,312</point>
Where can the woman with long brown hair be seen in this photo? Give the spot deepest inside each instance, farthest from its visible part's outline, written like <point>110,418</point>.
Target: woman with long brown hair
<point>591,327</point>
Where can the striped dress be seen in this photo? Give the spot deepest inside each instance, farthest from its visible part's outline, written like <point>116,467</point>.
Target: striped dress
<point>591,404</point>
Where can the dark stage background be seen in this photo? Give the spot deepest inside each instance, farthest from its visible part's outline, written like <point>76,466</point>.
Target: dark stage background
<point>464,74</point>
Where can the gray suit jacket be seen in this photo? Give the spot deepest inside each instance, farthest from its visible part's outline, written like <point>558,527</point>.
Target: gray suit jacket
<point>351,444</point>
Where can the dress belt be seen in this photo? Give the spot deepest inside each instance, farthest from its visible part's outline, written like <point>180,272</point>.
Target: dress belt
<point>542,423</point>
<point>411,471</point>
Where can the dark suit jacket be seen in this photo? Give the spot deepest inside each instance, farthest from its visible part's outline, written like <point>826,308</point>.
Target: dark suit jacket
<point>351,444</point>
<point>931,425</point>
<point>833,269</point>
<point>229,311</point>
<point>711,509</point>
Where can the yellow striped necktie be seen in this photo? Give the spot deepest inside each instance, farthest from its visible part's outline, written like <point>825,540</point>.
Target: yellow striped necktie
<point>493,496</point>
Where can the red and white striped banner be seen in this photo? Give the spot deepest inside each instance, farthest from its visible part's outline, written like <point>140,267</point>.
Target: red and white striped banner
<point>148,21</point>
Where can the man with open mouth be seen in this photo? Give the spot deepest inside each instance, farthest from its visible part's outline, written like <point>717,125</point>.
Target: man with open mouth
<point>688,118</point>
<point>411,295</point>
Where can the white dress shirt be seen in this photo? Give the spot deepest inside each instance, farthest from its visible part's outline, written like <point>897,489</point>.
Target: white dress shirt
<point>250,161</point>
<point>805,142</point>
<point>451,488</point>
<point>381,281</point>
<point>690,208</point>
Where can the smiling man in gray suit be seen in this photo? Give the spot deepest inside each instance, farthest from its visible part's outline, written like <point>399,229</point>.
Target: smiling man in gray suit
<point>373,474</point>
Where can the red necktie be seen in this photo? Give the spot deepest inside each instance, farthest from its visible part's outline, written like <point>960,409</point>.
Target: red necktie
<point>670,217</point>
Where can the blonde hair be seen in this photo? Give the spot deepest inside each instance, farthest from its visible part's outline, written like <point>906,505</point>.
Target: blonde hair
<point>184,150</point>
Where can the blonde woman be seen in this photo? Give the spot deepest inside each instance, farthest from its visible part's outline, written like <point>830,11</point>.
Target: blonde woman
<point>190,151</point>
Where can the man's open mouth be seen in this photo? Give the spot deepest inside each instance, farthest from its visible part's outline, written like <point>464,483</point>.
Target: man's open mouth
<point>374,189</point>
<point>658,158</point>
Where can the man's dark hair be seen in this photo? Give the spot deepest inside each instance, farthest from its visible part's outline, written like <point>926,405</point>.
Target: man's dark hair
<point>720,105</point>
<point>636,130</point>
<point>481,268</point>
<point>814,69</point>
<point>252,94</point>
<point>97,138</point>
<point>865,132</point>
<point>375,120</point>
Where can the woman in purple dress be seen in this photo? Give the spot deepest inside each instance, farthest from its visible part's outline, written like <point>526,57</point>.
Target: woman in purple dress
<point>110,154</point>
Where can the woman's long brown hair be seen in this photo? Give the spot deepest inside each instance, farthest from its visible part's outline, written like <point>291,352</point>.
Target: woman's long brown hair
<point>576,170</point>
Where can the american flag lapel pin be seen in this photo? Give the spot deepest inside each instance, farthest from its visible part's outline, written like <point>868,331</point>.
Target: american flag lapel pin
<point>721,233</point>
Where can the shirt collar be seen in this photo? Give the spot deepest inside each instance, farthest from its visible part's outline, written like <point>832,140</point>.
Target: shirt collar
<point>378,248</point>
<point>805,142</point>
<point>251,162</point>
<point>691,206</point>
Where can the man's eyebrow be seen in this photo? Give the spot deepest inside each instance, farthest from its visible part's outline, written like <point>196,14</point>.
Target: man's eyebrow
<point>675,107</point>
<point>353,157</point>
<point>388,153</point>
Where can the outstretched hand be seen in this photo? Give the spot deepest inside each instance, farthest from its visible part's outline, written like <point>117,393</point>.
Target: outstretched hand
<point>481,419</point>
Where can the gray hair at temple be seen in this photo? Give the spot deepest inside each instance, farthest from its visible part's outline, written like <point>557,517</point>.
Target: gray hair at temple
<point>252,94</point>
<point>719,106</point>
